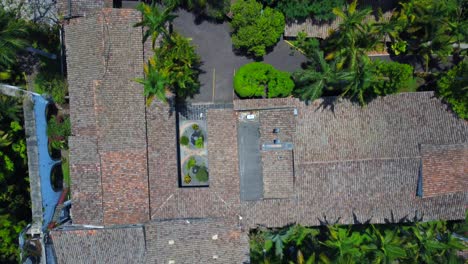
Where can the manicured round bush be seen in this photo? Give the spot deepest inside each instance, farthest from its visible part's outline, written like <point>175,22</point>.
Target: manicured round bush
<point>202,174</point>
<point>259,79</point>
<point>184,141</point>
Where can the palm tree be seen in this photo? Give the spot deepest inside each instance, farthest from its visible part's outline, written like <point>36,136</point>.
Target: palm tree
<point>155,82</point>
<point>321,76</point>
<point>344,245</point>
<point>386,246</point>
<point>353,37</point>
<point>154,21</point>
<point>12,38</point>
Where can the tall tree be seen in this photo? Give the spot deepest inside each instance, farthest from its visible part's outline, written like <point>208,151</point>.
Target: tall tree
<point>13,34</point>
<point>353,38</point>
<point>320,76</point>
<point>14,194</point>
<point>255,28</point>
<point>155,21</point>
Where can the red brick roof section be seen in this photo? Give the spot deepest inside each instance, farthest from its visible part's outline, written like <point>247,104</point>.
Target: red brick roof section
<point>444,169</point>
<point>107,109</point>
<point>125,187</point>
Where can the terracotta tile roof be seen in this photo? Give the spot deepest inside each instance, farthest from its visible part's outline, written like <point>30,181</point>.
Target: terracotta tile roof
<point>366,161</point>
<point>444,169</point>
<point>168,200</point>
<point>107,109</point>
<point>196,241</point>
<point>114,245</point>
<point>278,171</point>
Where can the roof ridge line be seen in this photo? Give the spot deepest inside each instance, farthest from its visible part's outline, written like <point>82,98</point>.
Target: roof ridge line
<point>355,160</point>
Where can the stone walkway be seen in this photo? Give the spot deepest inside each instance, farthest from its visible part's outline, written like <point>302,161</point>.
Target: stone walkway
<point>214,45</point>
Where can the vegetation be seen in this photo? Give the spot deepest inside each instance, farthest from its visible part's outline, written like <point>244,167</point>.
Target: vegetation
<point>155,83</point>
<point>175,64</point>
<point>53,85</point>
<point>202,174</point>
<point>392,77</point>
<point>14,186</point>
<point>13,35</point>
<point>259,79</point>
<point>453,88</point>
<point>58,131</point>
<point>420,242</point>
<point>195,127</point>
<point>191,163</point>
<point>430,29</point>
<point>154,21</point>
<point>301,9</point>
<point>199,143</point>
<point>255,29</point>
<point>184,141</point>
<point>214,9</point>
<point>179,63</point>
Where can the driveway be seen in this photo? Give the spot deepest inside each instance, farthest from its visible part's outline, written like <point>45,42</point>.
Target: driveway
<point>213,43</point>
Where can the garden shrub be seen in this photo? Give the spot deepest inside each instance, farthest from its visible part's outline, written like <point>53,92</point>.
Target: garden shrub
<point>452,87</point>
<point>259,79</point>
<point>191,163</point>
<point>301,9</point>
<point>195,127</point>
<point>58,131</point>
<point>392,77</point>
<point>255,28</point>
<point>199,143</point>
<point>51,84</point>
<point>184,141</point>
<point>202,174</point>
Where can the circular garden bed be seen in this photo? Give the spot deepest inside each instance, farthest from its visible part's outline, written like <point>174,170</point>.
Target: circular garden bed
<point>193,137</point>
<point>195,170</point>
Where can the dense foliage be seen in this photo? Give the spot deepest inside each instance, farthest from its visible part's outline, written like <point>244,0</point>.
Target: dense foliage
<point>391,77</point>
<point>175,64</point>
<point>14,186</point>
<point>301,9</point>
<point>58,131</point>
<point>453,88</point>
<point>177,61</point>
<point>255,29</point>
<point>13,35</point>
<point>421,242</point>
<point>258,79</point>
<point>154,21</point>
<point>431,29</point>
<point>214,9</point>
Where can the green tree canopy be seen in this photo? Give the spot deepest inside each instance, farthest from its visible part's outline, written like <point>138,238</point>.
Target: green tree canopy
<point>14,185</point>
<point>255,28</point>
<point>259,79</point>
<point>301,9</point>
<point>13,33</point>
<point>215,9</point>
<point>420,242</point>
<point>154,21</point>
<point>452,86</point>
<point>432,29</point>
<point>178,65</point>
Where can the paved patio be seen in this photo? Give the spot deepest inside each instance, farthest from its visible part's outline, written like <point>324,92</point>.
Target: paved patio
<point>213,43</point>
